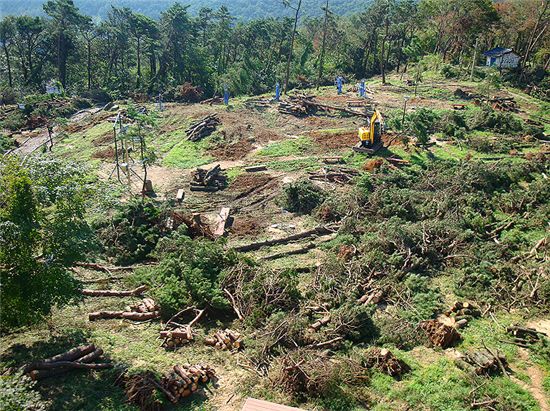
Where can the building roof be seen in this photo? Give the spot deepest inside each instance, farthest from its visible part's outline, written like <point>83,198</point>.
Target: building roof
<point>497,52</point>
<point>252,404</point>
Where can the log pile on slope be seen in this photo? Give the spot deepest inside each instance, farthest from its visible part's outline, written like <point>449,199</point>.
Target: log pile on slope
<point>84,357</point>
<point>225,340</point>
<point>203,128</point>
<point>439,334</point>
<point>462,312</point>
<point>524,336</point>
<point>384,360</point>
<point>208,180</point>
<point>482,362</point>
<point>146,310</point>
<point>186,379</point>
<point>174,334</point>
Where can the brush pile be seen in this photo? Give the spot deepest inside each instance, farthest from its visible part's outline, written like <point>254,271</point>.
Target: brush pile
<point>482,362</point>
<point>84,357</point>
<point>185,379</point>
<point>208,180</point>
<point>383,360</point>
<point>504,104</point>
<point>141,390</point>
<point>439,334</point>
<point>203,128</point>
<point>338,175</point>
<point>462,312</point>
<point>225,340</point>
<point>146,310</point>
<point>300,106</point>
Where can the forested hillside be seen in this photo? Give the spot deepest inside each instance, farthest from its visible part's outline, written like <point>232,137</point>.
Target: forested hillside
<point>241,9</point>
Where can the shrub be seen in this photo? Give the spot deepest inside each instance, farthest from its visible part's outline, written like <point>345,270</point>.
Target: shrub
<point>489,119</point>
<point>188,274</point>
<point>17,394</point>
<point>302,197</point>
<point>422,123</point>
<point>6,143</point>
<point>133,232</point>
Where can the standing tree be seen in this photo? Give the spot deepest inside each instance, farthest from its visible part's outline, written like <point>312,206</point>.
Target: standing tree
<point>89,32</point>
<point>65,17</point>
<point>141,27</point>
<point>7,34</point>
<point>323,45</point>
<point>42,233</point>
<point>292,37</point>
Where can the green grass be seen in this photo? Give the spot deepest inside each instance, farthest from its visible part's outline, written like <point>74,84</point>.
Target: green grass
<point>187,154</point>
<point>291,147</point>
<point>306,164</point>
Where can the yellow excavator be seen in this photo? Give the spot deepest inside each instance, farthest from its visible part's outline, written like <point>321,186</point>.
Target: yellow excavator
<point>371,137</point>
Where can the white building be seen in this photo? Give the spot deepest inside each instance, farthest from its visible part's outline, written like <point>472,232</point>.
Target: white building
<point>502,58</point>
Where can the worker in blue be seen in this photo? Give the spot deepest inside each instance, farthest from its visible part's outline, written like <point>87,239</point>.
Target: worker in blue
<point>225,95</point>
<point>339,84</point>
<point>362,88</point>
<point>277,91</point>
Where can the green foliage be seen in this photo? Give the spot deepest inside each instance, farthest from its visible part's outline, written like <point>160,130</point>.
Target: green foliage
<point>6,143</point>
<point>42,232</point>
<point>17,394</point>
<point>302,197</point>
<point>421,123</point>
<point>188,274</point>
<point>498,121</point>
<point>133,232</point>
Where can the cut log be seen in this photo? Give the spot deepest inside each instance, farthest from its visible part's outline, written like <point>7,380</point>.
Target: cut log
<point>71,355</point>
<point>112,293</point>
<point>320,323</point>
<point>127,315</point>
<point>180,195</point>
<point>222,222</point>
<point>254,169</point>
<point>439,334</point>
<point>323,230</point>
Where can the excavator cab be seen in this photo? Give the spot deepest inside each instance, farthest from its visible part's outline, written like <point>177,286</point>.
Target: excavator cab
<point>371,137</point>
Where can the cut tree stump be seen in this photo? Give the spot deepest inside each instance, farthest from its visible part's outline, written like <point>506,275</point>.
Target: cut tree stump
<point>439,334</point>
<point>223,221</point>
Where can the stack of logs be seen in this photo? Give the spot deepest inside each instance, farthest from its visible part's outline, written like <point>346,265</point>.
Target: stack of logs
<point>137,292</point>
<point>77,358</point>
<point>504,104</point>
<point>384,360</point>
<point>225,340</point>
<point>177,337</point>
<point>146,310</point>
<point>524,336</point>
<point>297,106</point>
<point>185,380</point>
<point>439,334</point>
<point>462,312</point>
<point>482,362</point>
<point>208,180</point>
<point>203,128</point>
<point>339,175</point>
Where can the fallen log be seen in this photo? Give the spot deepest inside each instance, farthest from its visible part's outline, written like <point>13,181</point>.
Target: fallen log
<point>254,169</point>
<point>316,326</point>
<point>126,315</point>
<point>112,293</point>
<point>71,355</point>
<point>319,231</point>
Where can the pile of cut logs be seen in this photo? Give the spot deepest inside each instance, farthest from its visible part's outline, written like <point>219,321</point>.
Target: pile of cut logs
<point>504,104</point>
<point>462,312</point>
<point>524,336</point>
<point>185,379</point>
<point>439,334</point>
<point>225,340</point>
<point>482,362</point>
<point>384,360</point>
<point>339,175</point>
<point>176,337</point>
<point>146,310</point>
<point>296,108</point>
<point>208,180</point>
<point>203,128</point>
<point>77,358</point>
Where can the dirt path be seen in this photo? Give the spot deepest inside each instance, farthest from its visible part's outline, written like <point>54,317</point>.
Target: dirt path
<point>537,377</point>
<point>32,144</point>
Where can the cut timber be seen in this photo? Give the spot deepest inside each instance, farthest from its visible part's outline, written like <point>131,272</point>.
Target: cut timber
<point>254,169</point>
<point>319,231</point>
<point>225,340</point>
<point>439,334</point>
<point>383,360</point>
<point>112,293</point>
<point>316,326</point>
<point>203,128</point>
<point>71,355</point>
<point>180,195</point>
<point>126,315</point>
<point>223,221</point>
<point>482,362</point>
